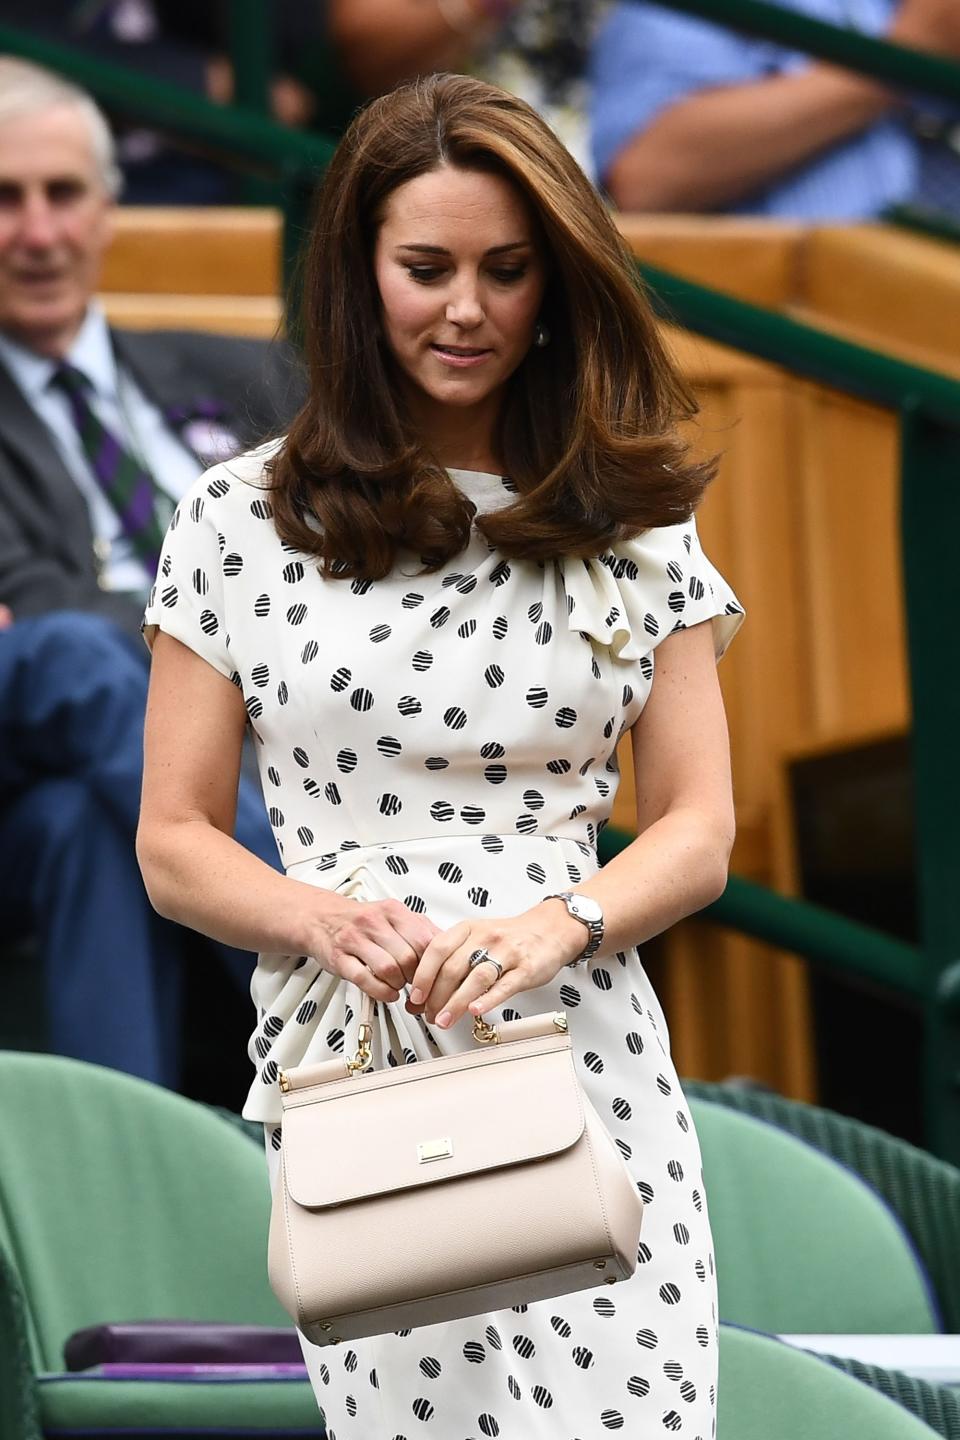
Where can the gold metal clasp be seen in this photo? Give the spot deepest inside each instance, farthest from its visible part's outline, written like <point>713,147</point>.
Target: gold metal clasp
<point>284,1081</point>
<point>485,1034</point>
<point>560,1022</point>
<point>361,1061</point>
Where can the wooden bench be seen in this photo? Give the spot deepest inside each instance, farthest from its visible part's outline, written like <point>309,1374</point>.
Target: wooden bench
<point>196,269</point>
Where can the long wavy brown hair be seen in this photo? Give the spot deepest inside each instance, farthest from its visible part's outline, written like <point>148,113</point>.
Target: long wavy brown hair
<point>588,426</point>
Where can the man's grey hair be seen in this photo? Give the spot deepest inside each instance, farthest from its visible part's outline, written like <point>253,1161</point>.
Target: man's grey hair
<point>27,89</point>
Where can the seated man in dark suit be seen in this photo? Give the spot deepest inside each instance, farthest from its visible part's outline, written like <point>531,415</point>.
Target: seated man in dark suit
<point>101,432</point>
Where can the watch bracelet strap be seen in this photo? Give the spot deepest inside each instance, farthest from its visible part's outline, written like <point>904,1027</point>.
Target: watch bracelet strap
<point>590,946</point>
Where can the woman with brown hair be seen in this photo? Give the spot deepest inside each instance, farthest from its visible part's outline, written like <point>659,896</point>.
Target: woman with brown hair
<point>469,568</point>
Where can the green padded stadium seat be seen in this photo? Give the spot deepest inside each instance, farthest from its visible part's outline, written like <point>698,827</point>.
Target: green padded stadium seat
<point>921,1190</point>
<point>74,1407</point>
<point>121,1201</point>
<point>802,1244</point>
<point>769,1391</point>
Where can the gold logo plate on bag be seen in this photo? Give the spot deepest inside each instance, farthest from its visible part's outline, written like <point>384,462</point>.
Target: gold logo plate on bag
<point>434,1150</point>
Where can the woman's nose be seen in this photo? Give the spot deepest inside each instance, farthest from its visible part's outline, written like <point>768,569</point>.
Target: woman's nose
<point>464,308</point>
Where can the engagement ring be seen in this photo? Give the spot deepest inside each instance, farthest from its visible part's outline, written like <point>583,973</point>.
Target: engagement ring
<point>481,957</point>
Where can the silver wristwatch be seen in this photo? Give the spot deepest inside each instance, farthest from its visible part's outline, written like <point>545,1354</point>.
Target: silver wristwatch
<point>588,912</point>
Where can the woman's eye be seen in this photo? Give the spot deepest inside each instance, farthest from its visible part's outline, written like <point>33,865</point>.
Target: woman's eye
<point>506,277</point>
<point>423,273</point>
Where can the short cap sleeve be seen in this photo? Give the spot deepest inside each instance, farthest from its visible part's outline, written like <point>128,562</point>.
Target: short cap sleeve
<point>187,600</point>
<point>638,592</point>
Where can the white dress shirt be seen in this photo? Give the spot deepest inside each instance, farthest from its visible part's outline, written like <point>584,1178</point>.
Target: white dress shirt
<point>120,404</point>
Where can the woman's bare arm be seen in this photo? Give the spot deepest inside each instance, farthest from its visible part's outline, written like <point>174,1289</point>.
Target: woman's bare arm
<point>197,874</point>
<point>685,818</point>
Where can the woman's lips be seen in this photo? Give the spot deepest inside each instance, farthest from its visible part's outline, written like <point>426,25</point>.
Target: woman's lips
<point>460,357</point>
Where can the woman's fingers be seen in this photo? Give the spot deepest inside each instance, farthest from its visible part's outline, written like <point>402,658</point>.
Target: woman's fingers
<point>348,967</point>
<point>528,956</point>
<point>418,930</point>
<point>385,935</point>
<point>390,943</point>
<point>441,947</point>
<point>499,993</point>
<point>413,934</point>
<point>475,988</point>
<point>454,973</point>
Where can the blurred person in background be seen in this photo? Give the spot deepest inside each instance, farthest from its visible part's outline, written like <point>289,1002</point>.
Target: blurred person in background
<point>690,116</point>
<point>101,432</point>
<point>185,44</point>
<point>537,49</point>
<point>330,55</point>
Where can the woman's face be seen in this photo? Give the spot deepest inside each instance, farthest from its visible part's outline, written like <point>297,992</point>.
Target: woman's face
<point>461,274</point>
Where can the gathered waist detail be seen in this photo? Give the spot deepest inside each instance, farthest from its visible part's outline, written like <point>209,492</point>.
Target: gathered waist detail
<point>354,856</point>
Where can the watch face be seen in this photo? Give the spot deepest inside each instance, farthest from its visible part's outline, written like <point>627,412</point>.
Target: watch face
<point>586,909</point>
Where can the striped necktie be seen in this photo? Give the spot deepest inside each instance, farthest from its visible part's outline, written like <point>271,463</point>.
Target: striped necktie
<point>130,488</point>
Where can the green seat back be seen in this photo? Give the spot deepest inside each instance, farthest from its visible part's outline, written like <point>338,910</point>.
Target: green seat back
<point>101,1409</point>
<point>769,1391</point>
<point>803,1245</point>
<point>923,1191</point>
<point>122,1201</point>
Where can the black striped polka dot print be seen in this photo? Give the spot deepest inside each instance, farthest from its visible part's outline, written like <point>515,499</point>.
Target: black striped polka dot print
<point>449,740</point>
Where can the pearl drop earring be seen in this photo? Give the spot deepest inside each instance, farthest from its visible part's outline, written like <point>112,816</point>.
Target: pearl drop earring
<point>541,335</point>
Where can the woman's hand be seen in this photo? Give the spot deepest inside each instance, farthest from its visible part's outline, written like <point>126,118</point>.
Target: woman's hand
<point>532,948</point>
<point>375,944</point>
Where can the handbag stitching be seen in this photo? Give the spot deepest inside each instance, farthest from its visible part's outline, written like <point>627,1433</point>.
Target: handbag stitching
<point>596,1181</point>
<point>461,1290</point>
<point>289,1229</point>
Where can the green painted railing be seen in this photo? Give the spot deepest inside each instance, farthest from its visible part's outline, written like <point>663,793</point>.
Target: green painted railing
<point>802,349</point>
<point>928,405</point>
<point>905,68</point>
<point>809,930</point>
<point>241,135</point>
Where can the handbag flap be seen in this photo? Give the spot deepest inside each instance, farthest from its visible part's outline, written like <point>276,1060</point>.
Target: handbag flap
<point>432,1121</point>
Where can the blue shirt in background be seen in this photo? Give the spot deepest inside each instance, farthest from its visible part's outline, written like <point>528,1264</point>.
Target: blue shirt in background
<point>647,57</point>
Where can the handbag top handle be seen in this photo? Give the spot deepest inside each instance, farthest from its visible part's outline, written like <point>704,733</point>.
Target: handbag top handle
<point>362,1060</point>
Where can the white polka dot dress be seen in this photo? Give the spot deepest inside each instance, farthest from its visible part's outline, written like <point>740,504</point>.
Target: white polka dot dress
<point>450,740</point>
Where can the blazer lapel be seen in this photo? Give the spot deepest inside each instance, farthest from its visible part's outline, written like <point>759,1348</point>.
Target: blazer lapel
<point>155,367</point>
<point>191,409</point>
<point>49,497</point>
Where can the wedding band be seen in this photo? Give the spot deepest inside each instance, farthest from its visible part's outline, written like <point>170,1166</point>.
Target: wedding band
<point>481,957</point>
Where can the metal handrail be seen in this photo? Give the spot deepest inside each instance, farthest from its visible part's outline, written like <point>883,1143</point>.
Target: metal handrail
<point>928,405</point>
<point>904,67</point>
<point>230,130</point>
<point>809,930</point>
<point>800,348</point>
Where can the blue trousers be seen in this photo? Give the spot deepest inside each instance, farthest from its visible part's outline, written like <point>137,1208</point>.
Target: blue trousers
<point>72,696</point>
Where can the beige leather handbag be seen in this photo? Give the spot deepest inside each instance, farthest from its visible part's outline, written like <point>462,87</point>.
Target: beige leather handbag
<point>421,1194</point>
